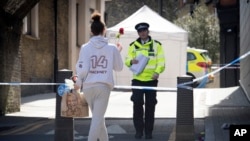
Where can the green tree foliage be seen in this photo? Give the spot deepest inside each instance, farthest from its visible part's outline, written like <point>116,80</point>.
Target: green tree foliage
<point>203,29</point>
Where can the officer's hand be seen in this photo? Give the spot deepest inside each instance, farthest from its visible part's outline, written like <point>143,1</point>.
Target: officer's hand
<point>134,61</point>
<point>155,76</point>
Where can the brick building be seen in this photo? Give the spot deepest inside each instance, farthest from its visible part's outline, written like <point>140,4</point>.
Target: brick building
<point>33,59</point>
<point>38,39</point>
<point>43,42</point>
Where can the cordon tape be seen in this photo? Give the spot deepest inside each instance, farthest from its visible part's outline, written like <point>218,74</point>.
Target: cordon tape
<point>182,85</point>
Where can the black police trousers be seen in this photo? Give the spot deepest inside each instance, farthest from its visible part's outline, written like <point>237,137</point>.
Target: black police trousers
<point>144,120</point>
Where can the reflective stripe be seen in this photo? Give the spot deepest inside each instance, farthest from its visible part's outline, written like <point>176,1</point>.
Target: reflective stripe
<point>141,49</point>
<point>161,63</point>
<point>161,56</point>
<point>150,67</point>
<point>152,57</point>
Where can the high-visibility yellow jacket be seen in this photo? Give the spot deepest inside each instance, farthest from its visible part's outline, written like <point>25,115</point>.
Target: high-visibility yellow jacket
<point>152,49</point>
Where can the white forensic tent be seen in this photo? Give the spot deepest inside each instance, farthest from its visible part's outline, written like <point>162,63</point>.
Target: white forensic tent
<point>173,38</point>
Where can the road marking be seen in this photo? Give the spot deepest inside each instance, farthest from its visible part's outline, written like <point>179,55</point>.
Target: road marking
<point>116,129</point>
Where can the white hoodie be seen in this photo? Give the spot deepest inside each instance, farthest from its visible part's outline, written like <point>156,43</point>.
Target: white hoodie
<point>97,60</point>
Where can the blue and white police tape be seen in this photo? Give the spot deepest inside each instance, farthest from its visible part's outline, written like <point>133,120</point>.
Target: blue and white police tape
<point>183,85</point>
<point>63,87</point>
<point>27,83</point>
<point>224,67</point>
<point>146,88</point>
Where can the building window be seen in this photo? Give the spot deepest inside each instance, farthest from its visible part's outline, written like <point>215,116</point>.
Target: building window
<point>30,23</point>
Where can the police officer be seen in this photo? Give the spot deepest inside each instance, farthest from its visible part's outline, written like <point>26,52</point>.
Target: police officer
<point>144,111</point>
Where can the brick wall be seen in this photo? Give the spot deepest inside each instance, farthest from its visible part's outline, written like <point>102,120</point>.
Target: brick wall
<point>10,68</point>
<point>38,53</point>
<point>14,99</point>
<point>245,45</point>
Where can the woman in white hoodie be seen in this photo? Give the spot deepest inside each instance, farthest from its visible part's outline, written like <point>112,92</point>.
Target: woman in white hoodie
<point>97,60</point>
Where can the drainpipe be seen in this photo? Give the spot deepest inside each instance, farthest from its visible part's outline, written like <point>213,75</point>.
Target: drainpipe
<point>55,41</point>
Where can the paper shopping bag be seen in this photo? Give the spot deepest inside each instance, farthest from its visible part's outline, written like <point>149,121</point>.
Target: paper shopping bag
<point>74,105</point>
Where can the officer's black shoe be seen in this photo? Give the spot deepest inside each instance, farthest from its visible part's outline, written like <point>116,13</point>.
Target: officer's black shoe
<point>148,136</point>
<point>138,135</point>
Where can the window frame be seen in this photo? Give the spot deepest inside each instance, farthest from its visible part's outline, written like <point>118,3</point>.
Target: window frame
<point>31,23</point>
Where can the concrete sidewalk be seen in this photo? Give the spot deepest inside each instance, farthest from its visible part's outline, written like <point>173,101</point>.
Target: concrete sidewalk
<point>209,114</point>
<point>120,106</point>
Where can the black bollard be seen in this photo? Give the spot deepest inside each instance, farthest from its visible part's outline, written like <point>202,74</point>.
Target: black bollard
<point>185,112</point>
<point>64,127</point>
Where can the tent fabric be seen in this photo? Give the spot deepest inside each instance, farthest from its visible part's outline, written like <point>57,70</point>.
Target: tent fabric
<point>145,14</point>
<point>173,38</point>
